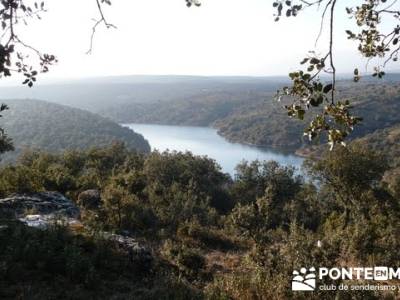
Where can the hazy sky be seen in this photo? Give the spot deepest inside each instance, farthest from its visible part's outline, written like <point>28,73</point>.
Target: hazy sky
<point>222,37</point>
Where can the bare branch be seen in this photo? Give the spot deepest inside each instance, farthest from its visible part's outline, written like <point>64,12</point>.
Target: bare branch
<point>102,20</point>
<point>322,23</point>
<point>331,51</point>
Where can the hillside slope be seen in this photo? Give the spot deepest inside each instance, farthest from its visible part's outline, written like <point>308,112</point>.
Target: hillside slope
<point>53,127</point>
<point>387,142</point>
<point>265,123</point>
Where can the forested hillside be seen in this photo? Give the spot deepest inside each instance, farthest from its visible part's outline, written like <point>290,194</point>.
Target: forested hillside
<point>52,127</point>
<point>387,142</point>
<point>254,117</point>
<point>198,110</point>
<point>265,123</point>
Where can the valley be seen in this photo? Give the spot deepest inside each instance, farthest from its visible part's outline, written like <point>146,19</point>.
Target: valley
<point>242,109</point>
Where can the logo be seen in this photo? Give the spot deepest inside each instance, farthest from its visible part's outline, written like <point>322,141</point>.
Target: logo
<point>305,280</point>
<point>381,273</point>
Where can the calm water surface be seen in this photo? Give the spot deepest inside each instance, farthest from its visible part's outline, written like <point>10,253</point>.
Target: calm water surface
<point>206,141</point>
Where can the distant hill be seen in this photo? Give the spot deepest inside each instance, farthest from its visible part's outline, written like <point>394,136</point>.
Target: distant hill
<point>100,95</point>
<point>53,127</point>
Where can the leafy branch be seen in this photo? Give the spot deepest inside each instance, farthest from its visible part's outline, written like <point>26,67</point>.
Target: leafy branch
<point>14,52</point>
<point>189,3</point>
<point>307,89</point>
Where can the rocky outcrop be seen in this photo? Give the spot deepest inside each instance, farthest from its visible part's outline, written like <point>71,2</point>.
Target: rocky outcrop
<point>44,203</point>
<point>41,210</point>
<point>139,256</point>
<point>44,221</point>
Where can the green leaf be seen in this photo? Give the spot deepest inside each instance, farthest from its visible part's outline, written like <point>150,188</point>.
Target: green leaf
<point>304,61</point>
<point>327,88</point>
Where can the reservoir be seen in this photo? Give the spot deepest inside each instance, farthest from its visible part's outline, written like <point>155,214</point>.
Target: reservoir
<point>206,141</point>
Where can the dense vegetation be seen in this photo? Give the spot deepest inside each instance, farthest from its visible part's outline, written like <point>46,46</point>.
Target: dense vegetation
<point>212,236</point>
<point>53,127</point>
<point>385,141</point>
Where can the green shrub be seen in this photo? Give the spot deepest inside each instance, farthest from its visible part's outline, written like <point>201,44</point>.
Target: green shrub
<point>189,262</point>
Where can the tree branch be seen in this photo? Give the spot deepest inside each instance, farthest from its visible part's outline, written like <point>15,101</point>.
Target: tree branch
<point>322,23</point>
<point>102,20</point>
<point>331,51</point>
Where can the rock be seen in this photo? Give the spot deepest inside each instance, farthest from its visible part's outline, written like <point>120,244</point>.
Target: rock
<point>44,203</point>
<point>47,208</point>
<point>38,221</point>
<point>40,209</point>
<point>90,199</point>
<point>139,256</point>
<point>43,221</point>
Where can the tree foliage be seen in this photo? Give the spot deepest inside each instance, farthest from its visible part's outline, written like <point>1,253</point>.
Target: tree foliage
<point>372,17</point>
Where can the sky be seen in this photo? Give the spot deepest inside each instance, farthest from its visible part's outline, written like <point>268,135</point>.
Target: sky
<point>222,37</point>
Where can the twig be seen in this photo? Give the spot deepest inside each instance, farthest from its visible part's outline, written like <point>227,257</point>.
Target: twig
<point>98,22</point>
<point>322,23</point>
<point>331,51</point>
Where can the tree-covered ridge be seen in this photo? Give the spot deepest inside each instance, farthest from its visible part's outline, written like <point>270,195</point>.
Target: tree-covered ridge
<point>203,109</point>
<point>263,124</point>
<point>250,115</point>
<point>387,142</point>
<point>53,127</point>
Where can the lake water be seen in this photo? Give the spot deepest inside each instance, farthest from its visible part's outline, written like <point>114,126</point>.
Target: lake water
<point>206,141</point>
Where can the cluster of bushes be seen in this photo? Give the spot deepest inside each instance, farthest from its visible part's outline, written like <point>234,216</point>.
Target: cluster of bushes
<point>349,219</point>
<point>216,237</point>
<point>59,264</point>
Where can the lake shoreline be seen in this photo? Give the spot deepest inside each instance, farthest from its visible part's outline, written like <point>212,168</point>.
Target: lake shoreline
<point>288,150</point>
<point>206,141</point>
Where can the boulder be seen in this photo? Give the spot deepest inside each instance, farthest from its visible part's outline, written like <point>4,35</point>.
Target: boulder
<point>43,203</point>
<point>89,199</point>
